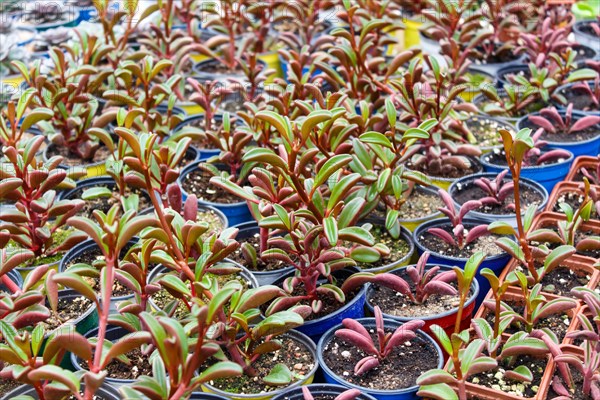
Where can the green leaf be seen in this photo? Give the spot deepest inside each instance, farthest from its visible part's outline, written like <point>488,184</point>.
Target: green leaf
<point>376,138</point>
<point>440,391</point>
<point>365,254</point>
<point>442,337</point>
<point>218,301</point>
<point>331,230</point>
<point>501,228</point>
<point>223,369</point>
<point>331,166</point>
<point>96,193</point>
<point>280,375</point>
<point>266,156</point>
<point>314,118</point>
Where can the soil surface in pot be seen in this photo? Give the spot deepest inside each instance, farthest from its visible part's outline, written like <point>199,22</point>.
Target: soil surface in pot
<point>93,256</point>
<point>580,98</point>
<point>399,305</point>
<point>59,236</point>
<point>7,385</point>
<point>562,136</point>
<point>71,160</point>
<point>485,131</point>
<point>197,182</point>
<point>454,173</point>
<point>495,58</point>
<point>261,264</point>
<point>68,310</point>
<point>574,199</point>
<point>578,386</point>
<point>561,280</point>
<point>199,123</point>
<point>495,379</point>
<point>580,234</point>
<point>295,355</point>
<point>399,370</point>
<point>558,323</point>
<point>437,245</point>
<point>139,364</point>
<point>104,204</point>
<point>221,69</point>
<point>420,204</point>
<point>529,108</point>
<point>498,158</point>
<point>470,191</point>
<point>399,248</point>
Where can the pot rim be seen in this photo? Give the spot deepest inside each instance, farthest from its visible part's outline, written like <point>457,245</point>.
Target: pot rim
<point>296,336</point>
<point>406,235</point>
<point>319,388</point>
<point>468,180</point>
<point>326,338</point>
<point>474,288</point>
<point>578,115</point>
<point>486,163</point>
<point>189,169</point>
<point>430,190</point>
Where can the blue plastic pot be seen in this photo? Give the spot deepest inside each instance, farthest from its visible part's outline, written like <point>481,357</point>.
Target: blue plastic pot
<point>546,175</point>
<point>590,147</point>
<point>319,390</point>
<point>496,263</point>
<point>106,392</point>
<point>352,309</point>
<point>248,229</point>
<point>87,13</point>
<point>467,182</point>
<point>285,66</point>
<point>236,213</point>
<point>409,393</point>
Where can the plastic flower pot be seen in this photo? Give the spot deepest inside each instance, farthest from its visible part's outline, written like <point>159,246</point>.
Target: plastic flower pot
<point>546,175</point>
<point>504,72</point>
<point>72,14</point>
<point>236,213</point>
<point>444,183</point>
<point>369,323</point>
<point>203,154</point>
<point>405,235</point>
<point>88,183</point>
<point>206,396</point>
<point>411,31</point>
<point>414,223</point>
<point>480,100</point>
<point>306,380</point>
<point>582,103</point>
<point>493,68</point>
<point>563,189</point>
<point>584,34</point>
<point>13,276</point>
<point>496,262</point>
<point>79,250</point>
<point>201,208</point>
<point>353,308</point>
<point>247,230</point>
<point>468,181</point>
<point>589,163</point>
<point>446,320</point>
<point>589,147</point>
<point>200,73</point>
<point>106,392</point>
<point>320,390</point>
<point>92,168</point>
<point>113,334</point>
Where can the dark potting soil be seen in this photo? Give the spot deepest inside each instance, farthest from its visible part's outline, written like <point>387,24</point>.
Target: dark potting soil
<point>564,137</point>
<point>221,69</point>
<point>91,256</point>
<point>104,204</point>
<point>7,385</point>
<point>500,159</point>
<point>399,248</point>
<point>583,234</point>
<point>495,379</point>
<point>71,160</point>
<point>396,304</point>
<point>52,16</point>
<point>485,131</point>
<point>474,168</point>
<point>558,323</point>
<point>580,98</point>
<point>473,192</point>
<point>139,364</point>
<point>495,58</point>
<point>197,182</point>
<point>573,199</point>
<point>261,265</point>
<point>436,244</point>
<point>578,386</point>
<point>398,371</point>
<point>163,298</point>
<point>295,355</point>
<point>68,310</point>
<point>561,280</point>
<point>510,77</point>
<point>419,205</point>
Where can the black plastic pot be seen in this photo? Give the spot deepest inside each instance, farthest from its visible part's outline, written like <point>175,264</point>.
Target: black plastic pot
<point>89,183</point>
<point>468,181</point>
<point>503,73</point>
<point>493,68</point>
<point>92,168</point>
<point>496,263</point>
<point>201,208</point>
<point>113,334</point>
<point>206,396</point>
<point>203,154</point>
<point>583,35</point>
<point>307,379</point>
<point>202,75</point>
<point>106,391</point>
<point>87,245</point>
<point>13,276</point>
<point>369,323</point>
<point>263,278</point>
<point>318,390</point>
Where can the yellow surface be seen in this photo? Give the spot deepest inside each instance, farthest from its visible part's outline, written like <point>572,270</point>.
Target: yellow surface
<point>190,108</point>
<point>11,84</point>
<point>441,183</point>
<point>411,34</point>
<point>272,61</point>
<point>95,170</point>
<point>411,225</point>
<point>198,57</point>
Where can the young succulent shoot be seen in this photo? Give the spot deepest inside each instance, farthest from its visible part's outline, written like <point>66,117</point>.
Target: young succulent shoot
<point>12,131</point>
<point>513,103</point>
<point>553,122</point>
<point>350,394</point>
<point>593,176</point>
<point>377,350</point>
<point>460,236</point>
<point>497,190</point>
